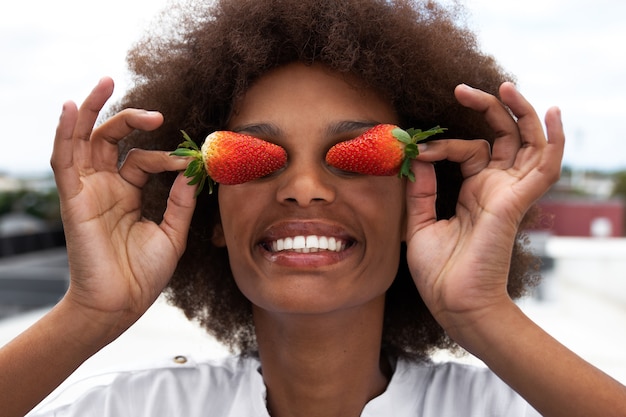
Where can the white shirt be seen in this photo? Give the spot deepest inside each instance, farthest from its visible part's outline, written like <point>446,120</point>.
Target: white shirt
<point>233,387</point>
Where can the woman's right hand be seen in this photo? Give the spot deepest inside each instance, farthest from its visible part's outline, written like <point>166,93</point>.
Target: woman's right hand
<point>119,261</point>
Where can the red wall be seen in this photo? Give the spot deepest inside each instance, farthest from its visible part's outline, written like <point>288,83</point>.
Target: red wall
<point>576,218</point>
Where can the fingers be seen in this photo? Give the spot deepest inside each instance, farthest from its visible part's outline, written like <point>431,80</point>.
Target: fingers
<point>421,197</point>
<point>139,164</point>
<point>72,150</point>
<point>105,139</point>
<point>177,217</point>
<point>510,134</point>
<point>520,140</point>
<point>472,155</point>
<point>529,125</point>
<point>62,152</point>
<point>79,149</point>
<point>550,164</point>
<point>507,140</point>
<point>87,116</point>
<point>539,158</point>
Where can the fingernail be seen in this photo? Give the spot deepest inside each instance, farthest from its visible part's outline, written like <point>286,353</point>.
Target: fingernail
<point>63,109</point>
<point>422,147</point>
<point>98,83</point>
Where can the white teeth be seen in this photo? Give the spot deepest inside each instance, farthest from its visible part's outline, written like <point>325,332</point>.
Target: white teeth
<point>299,242</point>
<point>308,244</point>
<point>312,242</point>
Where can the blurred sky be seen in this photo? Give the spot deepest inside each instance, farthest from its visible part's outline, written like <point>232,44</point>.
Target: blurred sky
<point>564,52</point>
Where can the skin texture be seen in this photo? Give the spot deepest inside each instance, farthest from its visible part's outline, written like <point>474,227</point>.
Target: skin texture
<point>392,47</point>
<point>310,198</point>
<point>328,305</point>
<point>331,345</point>
<point>320,355</point>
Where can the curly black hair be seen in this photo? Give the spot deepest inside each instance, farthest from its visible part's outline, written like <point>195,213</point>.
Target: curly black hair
<point>204,55</point>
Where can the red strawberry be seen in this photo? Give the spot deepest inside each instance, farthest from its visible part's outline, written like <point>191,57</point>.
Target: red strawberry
<point>230,158</point>
<point>383,150</point>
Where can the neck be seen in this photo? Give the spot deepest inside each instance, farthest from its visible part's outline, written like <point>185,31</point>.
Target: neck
<point>322,365</point>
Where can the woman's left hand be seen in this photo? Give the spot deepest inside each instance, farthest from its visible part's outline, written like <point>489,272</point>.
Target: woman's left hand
<point>461,265</point>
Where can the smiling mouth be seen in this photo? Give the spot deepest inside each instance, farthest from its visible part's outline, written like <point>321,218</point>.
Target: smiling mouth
<point>307,244</point>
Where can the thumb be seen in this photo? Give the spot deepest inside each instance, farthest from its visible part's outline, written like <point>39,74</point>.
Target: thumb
<point>421,196</point>
<point>179,212</point>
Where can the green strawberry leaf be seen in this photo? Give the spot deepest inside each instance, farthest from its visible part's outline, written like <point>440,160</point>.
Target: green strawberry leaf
<point>195,169</point>
<point>412,132</point>
<point>401,135</point>
<point>411,150</point>
<point>188,143</point>
<point>184,152</point>
<point>405,170</point>
<point>418,135</point>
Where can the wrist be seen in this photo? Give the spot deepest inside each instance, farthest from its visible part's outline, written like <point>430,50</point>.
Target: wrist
<point>88,329</point>
<point>482,330</point>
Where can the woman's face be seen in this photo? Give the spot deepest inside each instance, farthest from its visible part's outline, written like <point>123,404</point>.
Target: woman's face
<point>353,223</point>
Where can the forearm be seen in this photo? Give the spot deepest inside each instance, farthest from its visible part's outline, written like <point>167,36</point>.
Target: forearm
<point>43,356</point>
<point>551,377</point>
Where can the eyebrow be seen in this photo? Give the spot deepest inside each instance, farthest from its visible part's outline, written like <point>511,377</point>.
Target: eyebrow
<point>272,131</point>
<point>260,129</point>
<point>346,126</point>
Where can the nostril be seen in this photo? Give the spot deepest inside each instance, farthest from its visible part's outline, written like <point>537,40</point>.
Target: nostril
<point>305,187</point>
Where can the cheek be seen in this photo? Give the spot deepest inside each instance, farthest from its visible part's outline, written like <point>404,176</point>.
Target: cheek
<point>236,227</point>
<point>383,202</point>
<point>235,216</point>
<point>382,212</point>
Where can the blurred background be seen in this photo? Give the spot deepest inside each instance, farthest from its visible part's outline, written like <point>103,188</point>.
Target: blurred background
<point>568,53</point>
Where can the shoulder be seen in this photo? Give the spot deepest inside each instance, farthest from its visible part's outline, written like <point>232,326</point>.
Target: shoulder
<point>178,386</point>
<point>455,389</point>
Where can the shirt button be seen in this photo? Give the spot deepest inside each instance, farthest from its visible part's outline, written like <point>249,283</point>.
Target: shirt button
<point>180,359</point>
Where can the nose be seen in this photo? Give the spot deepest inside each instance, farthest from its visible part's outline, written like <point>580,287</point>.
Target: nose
<point>305,184</point>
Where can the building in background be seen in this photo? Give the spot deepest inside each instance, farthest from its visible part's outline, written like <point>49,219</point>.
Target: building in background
<point>578,217</point>
<point>584,205</point>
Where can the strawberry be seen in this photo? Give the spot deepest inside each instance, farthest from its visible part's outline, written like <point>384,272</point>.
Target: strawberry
<point>383,150</point>
<point>230,158</point>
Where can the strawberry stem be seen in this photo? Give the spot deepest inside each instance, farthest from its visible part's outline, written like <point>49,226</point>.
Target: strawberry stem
<point>195,170</point>
<point>410,138</point>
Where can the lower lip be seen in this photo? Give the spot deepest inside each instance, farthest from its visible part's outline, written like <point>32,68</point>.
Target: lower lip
<point>305,260</point>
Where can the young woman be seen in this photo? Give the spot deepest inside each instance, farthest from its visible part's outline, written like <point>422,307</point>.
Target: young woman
<point>335,330</point>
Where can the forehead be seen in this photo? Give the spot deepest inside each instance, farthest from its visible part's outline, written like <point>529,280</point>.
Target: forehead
<point>310,93</point>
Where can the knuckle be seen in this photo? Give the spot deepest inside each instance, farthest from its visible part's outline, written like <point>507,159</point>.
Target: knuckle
<point>484,145</point>
<point>133,156</point>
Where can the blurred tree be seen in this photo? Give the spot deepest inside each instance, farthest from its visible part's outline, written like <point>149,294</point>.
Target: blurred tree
<point>7,200</point>
<point>41,204</point>
<point>619,190</point>
<point>44,205</point>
